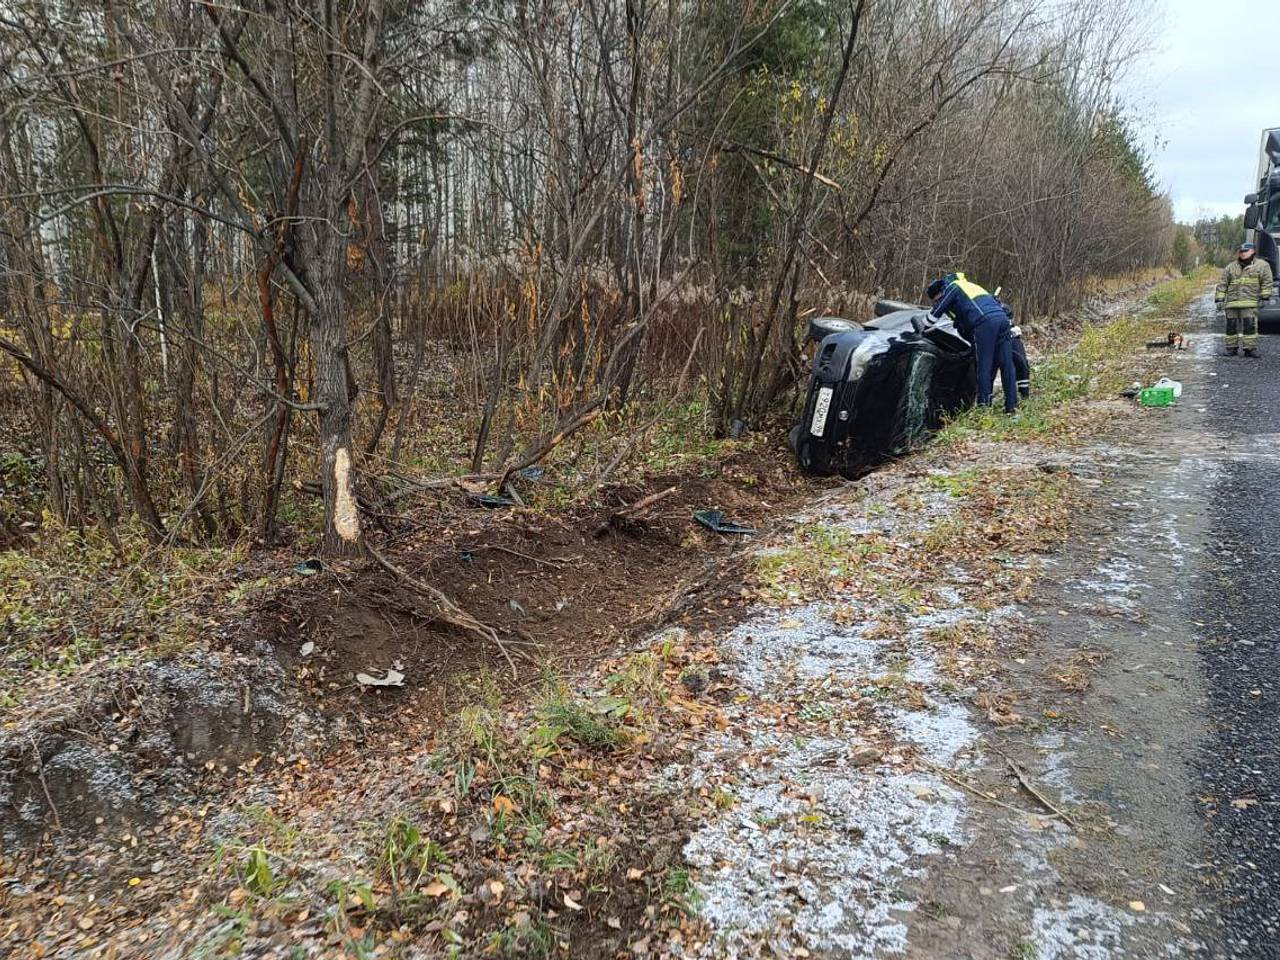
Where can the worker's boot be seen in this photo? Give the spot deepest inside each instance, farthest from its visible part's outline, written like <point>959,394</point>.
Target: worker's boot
<point>1232,351</point>
<point>1251,352</point>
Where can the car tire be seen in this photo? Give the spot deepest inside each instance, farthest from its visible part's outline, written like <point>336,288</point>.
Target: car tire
<point>883,307</point>
<point>820,327</point>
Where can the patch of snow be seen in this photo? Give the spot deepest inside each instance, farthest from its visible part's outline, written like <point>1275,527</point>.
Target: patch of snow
<point>1082,929</point>
<point>814,849</point>
<point>800,642</point>
<point>1055,767</point>
<point>782,869</point>
<point>941,732</point>
<point>1115,580</point>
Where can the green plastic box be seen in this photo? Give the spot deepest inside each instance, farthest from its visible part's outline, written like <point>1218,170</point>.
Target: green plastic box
<point>1156,397</point>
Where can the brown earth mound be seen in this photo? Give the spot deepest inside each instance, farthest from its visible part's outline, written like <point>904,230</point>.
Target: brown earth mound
<point>560,588</point>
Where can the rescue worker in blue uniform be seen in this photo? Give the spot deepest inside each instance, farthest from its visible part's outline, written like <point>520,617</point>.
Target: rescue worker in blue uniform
<point>982,321</point>
<point>1021,365</point>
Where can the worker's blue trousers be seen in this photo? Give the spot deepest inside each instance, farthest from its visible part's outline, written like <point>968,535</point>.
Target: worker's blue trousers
<point>993,347</point>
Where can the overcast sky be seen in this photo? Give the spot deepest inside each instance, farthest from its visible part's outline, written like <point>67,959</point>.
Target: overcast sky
<point>1207,96</point>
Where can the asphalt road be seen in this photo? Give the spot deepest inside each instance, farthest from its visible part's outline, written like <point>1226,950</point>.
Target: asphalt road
<point>1237,613</point>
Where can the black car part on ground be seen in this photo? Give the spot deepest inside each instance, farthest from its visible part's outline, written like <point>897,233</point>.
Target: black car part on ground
<point>878,392</point>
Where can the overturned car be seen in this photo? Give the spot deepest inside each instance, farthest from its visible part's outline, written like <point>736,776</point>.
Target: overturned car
<point>878,389</point>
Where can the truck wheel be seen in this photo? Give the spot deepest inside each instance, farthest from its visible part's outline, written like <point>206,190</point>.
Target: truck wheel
<point>883,307</point>
<point>820,327</point>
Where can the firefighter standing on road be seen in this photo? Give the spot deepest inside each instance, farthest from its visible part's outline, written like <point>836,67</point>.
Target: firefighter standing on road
<point>982,321</point>
<point>1245,283</point>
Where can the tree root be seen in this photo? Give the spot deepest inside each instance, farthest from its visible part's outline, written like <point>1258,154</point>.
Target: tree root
<point>449,611</point>
<point>626,514</point>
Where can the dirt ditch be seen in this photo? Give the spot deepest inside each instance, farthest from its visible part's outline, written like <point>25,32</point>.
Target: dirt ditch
<point>122,746</point>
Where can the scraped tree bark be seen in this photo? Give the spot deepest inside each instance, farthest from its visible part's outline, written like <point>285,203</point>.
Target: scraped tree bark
<point>335,53</point>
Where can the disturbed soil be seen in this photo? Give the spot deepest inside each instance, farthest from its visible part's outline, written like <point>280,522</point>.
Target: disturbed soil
<point>113,748</point>
<point>562,587</point>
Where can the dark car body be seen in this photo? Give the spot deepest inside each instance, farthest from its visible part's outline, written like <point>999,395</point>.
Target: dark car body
<point>877,392</point>
<point>1262,223</point>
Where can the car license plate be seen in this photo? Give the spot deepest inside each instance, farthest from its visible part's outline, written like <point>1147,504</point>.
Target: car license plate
<point>820,410</point>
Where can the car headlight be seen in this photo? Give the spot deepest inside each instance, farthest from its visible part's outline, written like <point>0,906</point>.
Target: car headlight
<point>862,355</point>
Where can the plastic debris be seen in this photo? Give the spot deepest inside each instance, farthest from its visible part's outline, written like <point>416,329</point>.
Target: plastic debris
<point>309,567</point>
<point>716,522</point>
<point>1175,385</point>
<point>532,473</point>
<point>394,678</point>
<point>307,648</point>
<point>489,501</point>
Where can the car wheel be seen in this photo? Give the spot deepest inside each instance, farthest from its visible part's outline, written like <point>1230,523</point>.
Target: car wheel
<point>820,327</point>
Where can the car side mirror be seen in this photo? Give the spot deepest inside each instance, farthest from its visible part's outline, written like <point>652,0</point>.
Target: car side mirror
<point>1251,198</point>
<point>1251,216</point>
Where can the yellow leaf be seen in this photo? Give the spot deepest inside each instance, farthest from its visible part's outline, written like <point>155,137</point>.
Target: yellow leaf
<point>571,903</point>
<point>435,889</point>
<point>504,804</point>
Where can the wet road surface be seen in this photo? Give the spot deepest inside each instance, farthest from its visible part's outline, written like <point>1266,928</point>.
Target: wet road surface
<point>1237,613</point>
